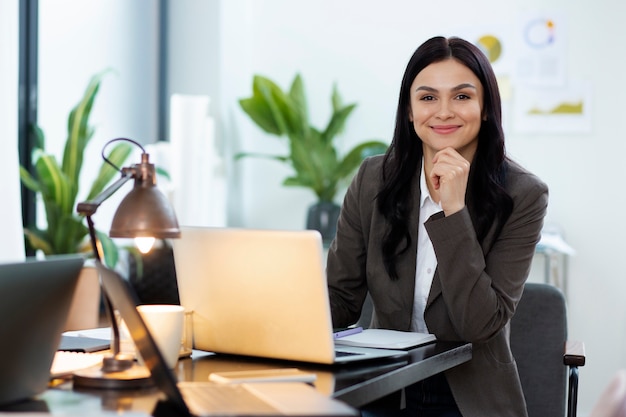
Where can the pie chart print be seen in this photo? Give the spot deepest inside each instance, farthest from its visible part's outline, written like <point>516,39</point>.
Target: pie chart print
<point>491,47</point>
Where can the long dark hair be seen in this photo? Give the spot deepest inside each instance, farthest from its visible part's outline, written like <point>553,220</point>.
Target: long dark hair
<point>488,170</point>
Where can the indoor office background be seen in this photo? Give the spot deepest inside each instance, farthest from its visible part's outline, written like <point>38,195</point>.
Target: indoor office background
<point>214,47</point>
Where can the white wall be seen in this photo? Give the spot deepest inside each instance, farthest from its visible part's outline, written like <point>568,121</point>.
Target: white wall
<point>364,46</point>
<point>11,242</point>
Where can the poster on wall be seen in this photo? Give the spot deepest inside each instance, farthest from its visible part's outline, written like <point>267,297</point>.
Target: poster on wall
<point>546,99</point>
<point>564,109</point>
<point>540,49</point>
<point>495,42</point>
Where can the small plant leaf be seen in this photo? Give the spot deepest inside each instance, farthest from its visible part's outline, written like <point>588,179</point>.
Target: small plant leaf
<point>262,155</point>
<point>40,141</point>
<point>298,97</point>
<point>54,183</point>
<point>109,248</point>
<point>79,133</point>
<point>38,240</point>
<point>28,180</point>
<point>337,122</point>
<point>354,157</point>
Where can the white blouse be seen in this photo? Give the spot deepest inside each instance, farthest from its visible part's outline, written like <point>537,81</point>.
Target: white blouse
<point>426,260</point>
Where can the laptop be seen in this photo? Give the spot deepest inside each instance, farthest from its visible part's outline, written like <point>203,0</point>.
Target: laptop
<point>35,299</point>
<point>260,293</point>
<point>210,398</point>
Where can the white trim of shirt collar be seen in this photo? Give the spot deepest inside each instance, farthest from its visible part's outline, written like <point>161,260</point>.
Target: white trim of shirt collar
<point>424,192</point>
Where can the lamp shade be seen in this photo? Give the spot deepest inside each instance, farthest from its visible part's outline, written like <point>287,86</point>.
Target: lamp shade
<point>145,212</point>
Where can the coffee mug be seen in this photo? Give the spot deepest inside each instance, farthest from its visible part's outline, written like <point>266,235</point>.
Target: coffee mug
<point>165,323</point>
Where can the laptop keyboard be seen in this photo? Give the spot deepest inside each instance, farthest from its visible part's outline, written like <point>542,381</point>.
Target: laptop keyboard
<point>210,399</point>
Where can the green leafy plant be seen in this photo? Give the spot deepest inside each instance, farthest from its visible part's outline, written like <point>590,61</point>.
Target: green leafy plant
<point>58,185</point>
<point>312,153</point>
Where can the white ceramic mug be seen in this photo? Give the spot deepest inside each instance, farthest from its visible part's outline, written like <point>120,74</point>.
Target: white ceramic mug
<point>165,323</point>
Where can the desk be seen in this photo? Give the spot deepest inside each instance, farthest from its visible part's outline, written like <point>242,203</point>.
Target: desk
<point>355,384</point>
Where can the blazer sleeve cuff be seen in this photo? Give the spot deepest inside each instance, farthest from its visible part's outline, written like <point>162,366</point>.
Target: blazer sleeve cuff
<point>442,228</point>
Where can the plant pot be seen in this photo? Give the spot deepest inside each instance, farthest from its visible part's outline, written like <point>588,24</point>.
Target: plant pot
<point>322,216</point>
<point>85,309</point>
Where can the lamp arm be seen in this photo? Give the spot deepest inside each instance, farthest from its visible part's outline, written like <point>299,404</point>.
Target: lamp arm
<point>89,207</point>
<point>110,312</point>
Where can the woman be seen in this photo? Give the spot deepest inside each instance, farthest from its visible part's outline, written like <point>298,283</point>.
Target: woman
<point>441,231</point>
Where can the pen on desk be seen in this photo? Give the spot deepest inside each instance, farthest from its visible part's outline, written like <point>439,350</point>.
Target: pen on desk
<point>348,332</point>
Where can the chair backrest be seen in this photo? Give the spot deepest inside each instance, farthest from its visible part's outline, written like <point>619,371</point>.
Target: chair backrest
<point>538,335</point>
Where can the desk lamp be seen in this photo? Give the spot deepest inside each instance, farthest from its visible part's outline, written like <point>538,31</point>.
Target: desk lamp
<point>144,213</point>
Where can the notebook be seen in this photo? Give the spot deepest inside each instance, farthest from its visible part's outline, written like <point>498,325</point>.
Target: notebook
<point>35,298</point>
<point>386,338</point>
<point>260,293</point>
<point>210,398</point>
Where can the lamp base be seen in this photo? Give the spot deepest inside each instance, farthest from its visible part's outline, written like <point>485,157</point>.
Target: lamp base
<point>135,377</point>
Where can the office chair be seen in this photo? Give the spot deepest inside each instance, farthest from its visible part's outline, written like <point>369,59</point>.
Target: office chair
<point>541,350</point>
<point>543,354</point>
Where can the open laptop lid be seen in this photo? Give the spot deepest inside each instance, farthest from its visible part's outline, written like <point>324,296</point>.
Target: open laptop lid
<point>256,292</point>
<point>35,299</point>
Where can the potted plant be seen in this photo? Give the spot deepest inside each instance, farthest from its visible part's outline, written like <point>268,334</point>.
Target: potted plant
<point>58,186</point>
<point>312,154</point>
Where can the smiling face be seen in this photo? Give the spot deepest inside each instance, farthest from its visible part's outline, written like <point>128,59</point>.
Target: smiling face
<point>447,108</point>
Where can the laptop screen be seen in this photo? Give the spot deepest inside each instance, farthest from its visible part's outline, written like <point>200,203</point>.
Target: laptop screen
<point>256,292</point>
<point>35,299</point>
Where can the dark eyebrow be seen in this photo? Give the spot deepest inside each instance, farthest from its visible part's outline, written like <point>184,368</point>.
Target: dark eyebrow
<point>426,88</point>
<point>464,85</point>
<point>457,88</point>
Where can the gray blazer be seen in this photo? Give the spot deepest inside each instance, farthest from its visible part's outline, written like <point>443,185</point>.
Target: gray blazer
<point>474,292</point>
